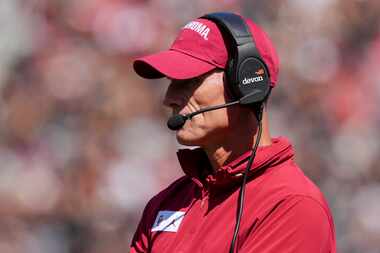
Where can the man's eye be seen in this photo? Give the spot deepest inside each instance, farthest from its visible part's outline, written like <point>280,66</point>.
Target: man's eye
<point>194,81</point>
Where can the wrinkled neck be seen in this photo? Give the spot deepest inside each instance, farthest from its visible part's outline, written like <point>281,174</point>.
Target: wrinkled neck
<point>237,142</point>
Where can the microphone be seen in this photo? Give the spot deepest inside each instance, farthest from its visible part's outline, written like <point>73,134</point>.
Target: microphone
<point>177,121</point>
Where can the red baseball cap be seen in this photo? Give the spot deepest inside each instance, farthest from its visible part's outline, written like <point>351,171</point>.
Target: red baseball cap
<point>200,48</point>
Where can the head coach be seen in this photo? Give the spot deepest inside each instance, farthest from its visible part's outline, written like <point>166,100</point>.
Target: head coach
<point>242,190</point>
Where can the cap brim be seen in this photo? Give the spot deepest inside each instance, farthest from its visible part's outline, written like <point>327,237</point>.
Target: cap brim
<point>171,64</point>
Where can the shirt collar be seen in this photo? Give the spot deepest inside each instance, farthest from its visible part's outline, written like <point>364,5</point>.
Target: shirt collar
<point>195,164</point>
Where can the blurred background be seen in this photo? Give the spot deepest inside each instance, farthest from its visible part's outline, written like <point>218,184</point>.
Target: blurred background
<point>83,140</point>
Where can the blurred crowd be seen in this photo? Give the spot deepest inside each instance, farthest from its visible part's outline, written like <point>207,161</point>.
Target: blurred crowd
<point>83,141</point>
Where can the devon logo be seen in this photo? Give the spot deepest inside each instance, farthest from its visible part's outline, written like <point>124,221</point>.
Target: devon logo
<point>252,80</point>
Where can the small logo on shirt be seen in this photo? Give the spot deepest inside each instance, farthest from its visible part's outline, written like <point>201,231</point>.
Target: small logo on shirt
<point>198,27</point>
<point>168,221</point>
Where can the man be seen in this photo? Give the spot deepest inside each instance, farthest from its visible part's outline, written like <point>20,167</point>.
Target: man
<point>283,210</point>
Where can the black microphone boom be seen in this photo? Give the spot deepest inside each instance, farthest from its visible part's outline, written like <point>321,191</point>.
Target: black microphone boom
<point>177,121</point>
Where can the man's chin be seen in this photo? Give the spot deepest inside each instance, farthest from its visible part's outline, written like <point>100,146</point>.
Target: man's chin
<point>187,140</point>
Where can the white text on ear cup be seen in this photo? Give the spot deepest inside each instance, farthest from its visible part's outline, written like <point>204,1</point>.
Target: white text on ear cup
<point>252,80</point>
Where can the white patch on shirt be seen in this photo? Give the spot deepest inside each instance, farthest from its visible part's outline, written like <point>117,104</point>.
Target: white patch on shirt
<point>168,221</point>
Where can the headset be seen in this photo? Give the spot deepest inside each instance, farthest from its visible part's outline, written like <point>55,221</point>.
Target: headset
<point>247,78</point>
<point>246,72</point>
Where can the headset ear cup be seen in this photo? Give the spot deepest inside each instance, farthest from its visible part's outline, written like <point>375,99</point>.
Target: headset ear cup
<point>253,78</point>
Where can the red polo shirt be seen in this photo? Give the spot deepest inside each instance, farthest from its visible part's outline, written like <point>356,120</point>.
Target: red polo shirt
<point>283,210</point>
